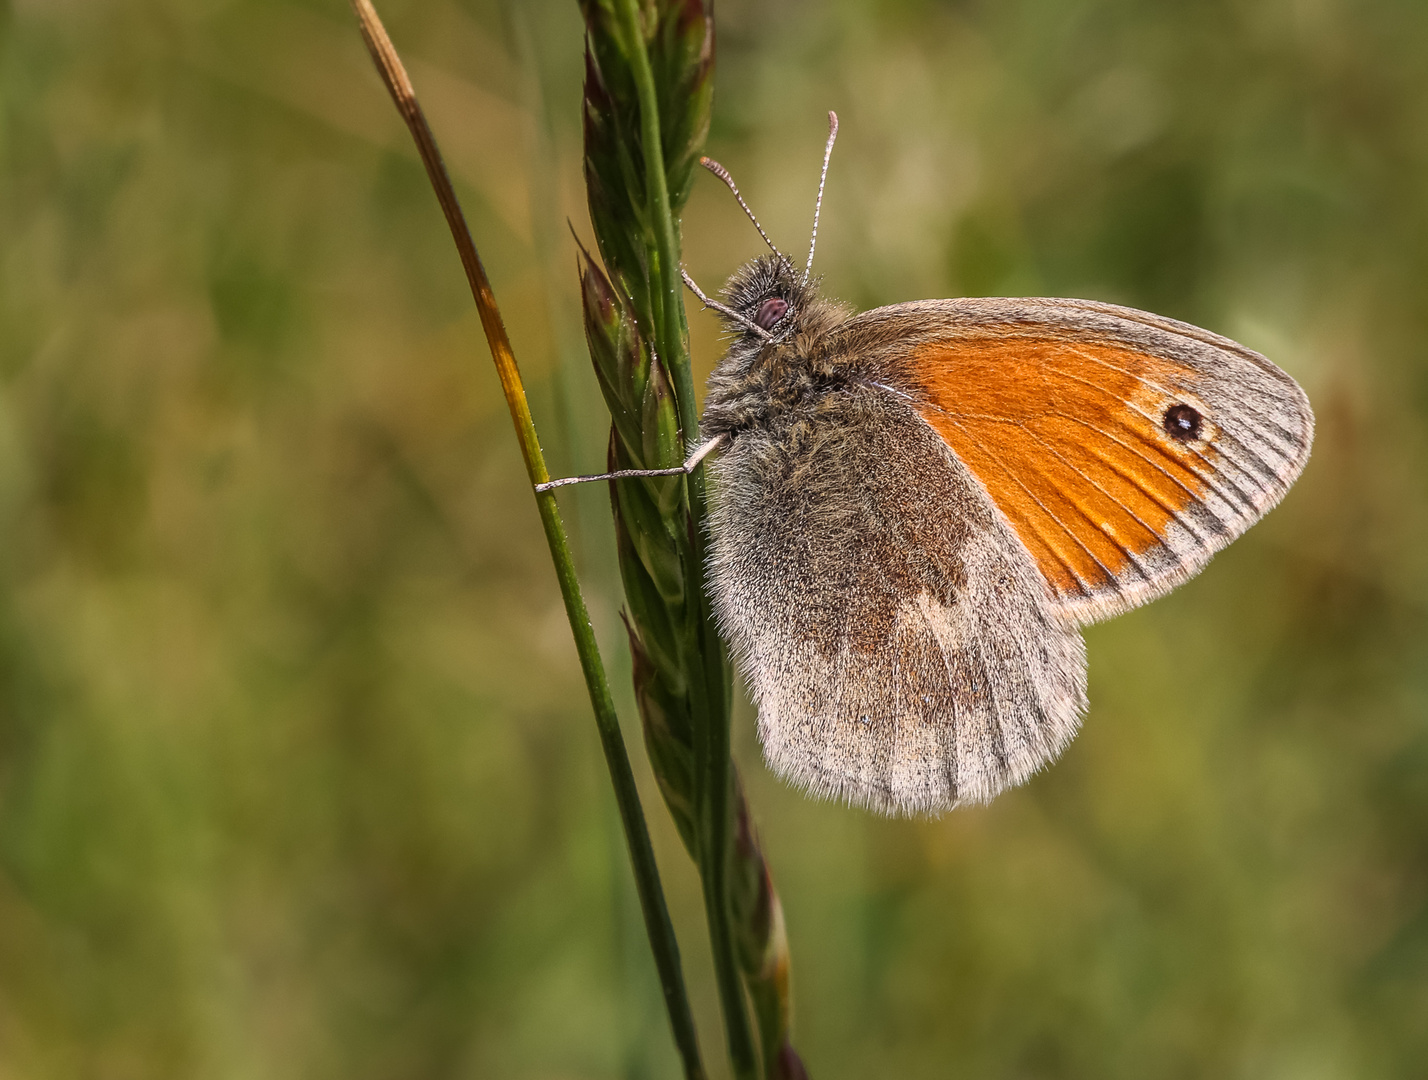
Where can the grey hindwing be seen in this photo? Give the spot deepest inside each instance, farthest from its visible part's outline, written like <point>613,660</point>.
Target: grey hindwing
<point>895,634</point>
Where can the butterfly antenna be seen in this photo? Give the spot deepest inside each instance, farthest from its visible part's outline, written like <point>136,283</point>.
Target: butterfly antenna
<point>723,174</point>
<point>822,179</point>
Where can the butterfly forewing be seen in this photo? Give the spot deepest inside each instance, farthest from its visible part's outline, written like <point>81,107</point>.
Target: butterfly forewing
<point>1122,448</point>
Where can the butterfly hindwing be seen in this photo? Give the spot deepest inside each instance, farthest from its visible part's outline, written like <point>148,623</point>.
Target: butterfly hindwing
<point>901,647</point>
<point>1122,448</point>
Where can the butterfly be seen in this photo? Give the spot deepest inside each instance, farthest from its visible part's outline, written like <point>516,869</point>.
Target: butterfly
<point>915,508</point>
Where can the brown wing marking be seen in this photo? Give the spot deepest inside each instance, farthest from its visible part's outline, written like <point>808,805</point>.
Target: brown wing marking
<point>1066,437</point>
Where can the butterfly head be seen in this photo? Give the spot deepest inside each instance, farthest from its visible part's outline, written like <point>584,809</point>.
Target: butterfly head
<point>769,293</point>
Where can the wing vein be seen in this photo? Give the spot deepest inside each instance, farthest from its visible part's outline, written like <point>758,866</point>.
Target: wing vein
<point>1268,421</point>
<point>1246,499</point>
<point>1110,577</point>
<point>999,743</point>
<point>1209,480</point>
<point>1194,498</point>
<point>1175,513</point>
<point>1129,554</point>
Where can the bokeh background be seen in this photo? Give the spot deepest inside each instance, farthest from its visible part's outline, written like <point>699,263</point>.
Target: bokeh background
<point>297,774</point>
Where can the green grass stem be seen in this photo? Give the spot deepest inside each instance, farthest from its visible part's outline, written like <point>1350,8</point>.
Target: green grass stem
<point>652,903</point>
<point>712,748</point>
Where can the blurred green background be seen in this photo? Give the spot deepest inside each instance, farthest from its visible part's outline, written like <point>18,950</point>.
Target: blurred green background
<point>297,773</point>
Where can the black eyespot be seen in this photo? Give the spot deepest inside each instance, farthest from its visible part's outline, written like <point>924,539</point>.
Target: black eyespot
<point>770,312</point>
<point>1182,422</point>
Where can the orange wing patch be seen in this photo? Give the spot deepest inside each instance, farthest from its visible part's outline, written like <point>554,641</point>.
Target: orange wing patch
<point>1070,439</point>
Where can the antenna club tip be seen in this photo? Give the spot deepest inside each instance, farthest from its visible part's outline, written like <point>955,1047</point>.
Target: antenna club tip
<point>719,171</point>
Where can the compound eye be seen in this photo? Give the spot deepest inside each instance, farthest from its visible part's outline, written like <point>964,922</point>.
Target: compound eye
<point>770,312</point>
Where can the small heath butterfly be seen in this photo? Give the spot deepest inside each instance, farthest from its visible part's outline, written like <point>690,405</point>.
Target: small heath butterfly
<point>914,508</point>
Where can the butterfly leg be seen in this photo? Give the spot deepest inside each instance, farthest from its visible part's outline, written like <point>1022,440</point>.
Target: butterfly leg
<point>702,451</point>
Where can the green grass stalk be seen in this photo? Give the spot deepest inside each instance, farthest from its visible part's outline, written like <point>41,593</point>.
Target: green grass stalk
<point>711,727</point>
<point>652,903</point>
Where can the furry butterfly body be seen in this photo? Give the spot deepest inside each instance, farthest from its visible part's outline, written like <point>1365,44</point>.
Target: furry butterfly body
<point>914,508</point>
